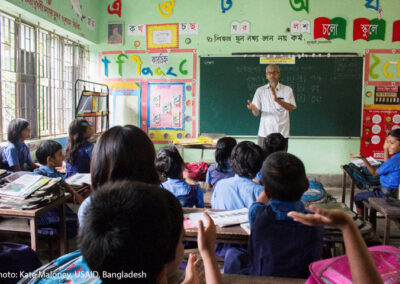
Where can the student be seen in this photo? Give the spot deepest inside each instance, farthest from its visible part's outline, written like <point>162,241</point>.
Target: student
<point>362,267</point>
<point>16,153</point>
<point>240,191</point>
<point>222,168</point>
<point>169,164</point>
<point>122,152</point>
<point>272,143</point>
<point>278,246</point>
<point>50,156</point>
<point>78,150</point>
<point>388,172</point>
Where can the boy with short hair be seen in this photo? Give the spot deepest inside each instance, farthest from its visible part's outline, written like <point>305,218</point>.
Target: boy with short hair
<point>278,246</point>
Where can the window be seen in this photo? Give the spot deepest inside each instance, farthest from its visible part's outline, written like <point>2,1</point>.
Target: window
<point>38,72</point>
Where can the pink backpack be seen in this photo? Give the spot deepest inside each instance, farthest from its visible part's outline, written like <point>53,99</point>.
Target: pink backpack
<point>337,269</point>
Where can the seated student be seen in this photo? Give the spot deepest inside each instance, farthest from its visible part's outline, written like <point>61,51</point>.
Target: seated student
<point>16,153</point>
<point>169,164</point>
<point>272,143</point>
<point>388,172</point>
<point>222,168</point>
<point>362,267</point>
<point>278,246</point>
<point>240,191</point>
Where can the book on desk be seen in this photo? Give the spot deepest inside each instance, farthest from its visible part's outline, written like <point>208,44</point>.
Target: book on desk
<point>220,218</point>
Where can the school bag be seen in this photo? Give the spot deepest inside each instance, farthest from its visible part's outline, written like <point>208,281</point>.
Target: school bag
<point>361,176</point>
<point>197,170</point>
<point>315,193</point>
<point>337,269</point>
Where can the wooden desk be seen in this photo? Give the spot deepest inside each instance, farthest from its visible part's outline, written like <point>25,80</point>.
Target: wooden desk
<point>202,147</point>
<point>16,221</point>
<point>344,186</point>
<point>207,198</point>
<point>389,211</point>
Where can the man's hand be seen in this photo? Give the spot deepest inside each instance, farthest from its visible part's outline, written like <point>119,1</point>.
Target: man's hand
<point>273,93</point>
<point>253,108</point>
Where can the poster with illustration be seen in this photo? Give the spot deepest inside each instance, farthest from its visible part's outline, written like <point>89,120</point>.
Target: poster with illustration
<point>378,121</point>
<point>166,105</point>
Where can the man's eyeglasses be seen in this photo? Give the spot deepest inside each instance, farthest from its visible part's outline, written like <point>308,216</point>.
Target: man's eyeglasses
<point>273,73</point>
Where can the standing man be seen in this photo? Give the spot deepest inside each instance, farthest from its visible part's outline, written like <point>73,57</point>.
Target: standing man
<point>274,101</point>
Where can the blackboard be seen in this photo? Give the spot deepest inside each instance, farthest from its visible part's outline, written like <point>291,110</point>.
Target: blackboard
<point>328,92</point>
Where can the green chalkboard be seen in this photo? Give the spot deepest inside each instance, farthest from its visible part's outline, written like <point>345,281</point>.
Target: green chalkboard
<point>328,92</point>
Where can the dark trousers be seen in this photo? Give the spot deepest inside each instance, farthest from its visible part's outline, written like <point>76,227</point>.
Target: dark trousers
<point>261,142</point>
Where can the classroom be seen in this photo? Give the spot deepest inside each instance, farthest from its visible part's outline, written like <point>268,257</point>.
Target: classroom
<point>187,73</point>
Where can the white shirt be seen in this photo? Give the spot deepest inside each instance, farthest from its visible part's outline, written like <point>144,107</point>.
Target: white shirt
<point>274,118</point>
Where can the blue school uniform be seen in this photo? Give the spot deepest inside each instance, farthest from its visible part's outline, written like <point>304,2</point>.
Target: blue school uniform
<point>235,193</point>
<point>389,178</point>
<point>16,154</point>
<point>82,160</point>
<point>188,195</point>
<point>259,177</point>
<point>49,223</point>
<point>278,246</point>
<point>214,175</point>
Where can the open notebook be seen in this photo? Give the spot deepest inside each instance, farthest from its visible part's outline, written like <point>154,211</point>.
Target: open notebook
<point>220,218</point>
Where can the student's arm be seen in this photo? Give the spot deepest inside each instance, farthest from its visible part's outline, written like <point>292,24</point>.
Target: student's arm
<point>206,239</point>
<point>33,166</point>
<point>370,168</point>
<point>386,150</point>
<point>362,267</point>
<point>253,108</point>
<point>282,103</point>
<point>77,196</point>
<point>263,198</point>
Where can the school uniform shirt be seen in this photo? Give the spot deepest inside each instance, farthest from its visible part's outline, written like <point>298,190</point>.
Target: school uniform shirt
<point>214,175</point>
<point>235,193</point>
<point>188,195</point>
<point>49,172</point>
<point>389,172</point>
<point>274,118</point>
<point>82,160</point>
<point>259,177</point>
<point>16,154</point>
<point>82,208</point>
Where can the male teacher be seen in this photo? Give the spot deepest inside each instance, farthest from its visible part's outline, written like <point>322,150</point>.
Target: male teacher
<point>274,100</point>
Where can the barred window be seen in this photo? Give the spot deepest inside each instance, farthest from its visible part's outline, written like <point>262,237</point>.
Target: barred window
<point>38,69</point>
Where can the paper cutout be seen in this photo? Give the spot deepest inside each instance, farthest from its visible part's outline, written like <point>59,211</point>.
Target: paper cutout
<point>367,30</point>
<point>165,9</point>
<point>136,30</point>
<point>77,7</point>
<point>117,6</point>
<point>368,4</point>
<point>372,67</point>
<point>162,36</point>
<point>329,29</point>
<point>379,14</point>
<point>300,27</point>
<point>301,5</point>
<point>188,28</point>
<point>91,24</point>
<point>396,31</point>
<point>106,62</point>
<point>159,59</point>
<point>228,3</point>
<point>240,28</point>
<point>119,61</point>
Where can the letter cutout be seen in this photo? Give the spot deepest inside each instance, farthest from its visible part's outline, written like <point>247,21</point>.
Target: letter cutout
<point>387,75</point>
<point>147,70</point>
<point>165,9</point>
<point>303,5</point>
<point>229,5</point>
<point>371,69</point>
<point>117,6</point>
<point>158,71</point>
<point>169,72</point>
<point>119,62</point>
<point>106,62</point>
<point>136,59</point>
<point>184,72</point>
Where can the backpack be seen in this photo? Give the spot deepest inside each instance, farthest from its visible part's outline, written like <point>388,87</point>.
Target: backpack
<point>197,170</point>
<point>315,193</point>
<point>337,269</point>
<point>361,176</point>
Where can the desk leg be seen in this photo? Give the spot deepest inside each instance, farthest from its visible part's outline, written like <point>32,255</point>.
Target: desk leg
<point>386,233</point>
<point>372,218</point>
<point>344,187</point>
<point>202,154</point>
<point>33,227</point>
<point>63,235</point>
<point>352,195</point>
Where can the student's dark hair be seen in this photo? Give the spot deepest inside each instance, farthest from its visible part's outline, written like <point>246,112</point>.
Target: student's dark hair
<point>247,159</point>
<point>284,176</point>
<point>123,152</point>
<point>395,133</point>
<point>127,229</point>
<point>15,128</point>
<point>169,162</point>
<point>47,149</point>
<point>76,132</point>
<point>225,146</point>
<point>274,142</point>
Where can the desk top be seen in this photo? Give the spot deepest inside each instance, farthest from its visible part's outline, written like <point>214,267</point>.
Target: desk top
<point>196,146</point>
<point>385,207</point>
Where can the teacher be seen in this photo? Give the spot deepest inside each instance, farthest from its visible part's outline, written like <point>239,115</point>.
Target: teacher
<point>274,100</point>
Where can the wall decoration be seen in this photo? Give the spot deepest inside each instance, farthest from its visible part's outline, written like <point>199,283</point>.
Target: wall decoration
<point>188,28</point>
<point>396,31</point>
<point>77,8</point>
<point>329,29</point>
<point>387,95</point>
<point>115,33</point>
<point>91,24</point>
<point>278,60</point>
<point>188,41</point>
<point>136,30</point>
<point>116,8</point>
<point>162,36</point>
<point>369,29</point>
<point>159,59</point>
<point>382,67</point>
<point>379,13</point>
<point>371,6</point>
<point>240,28</point>
<point>299,5</point>
<point>300,27</point>
<point>228,5</point>
<point>136,43</point>
<point>165,9</point>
